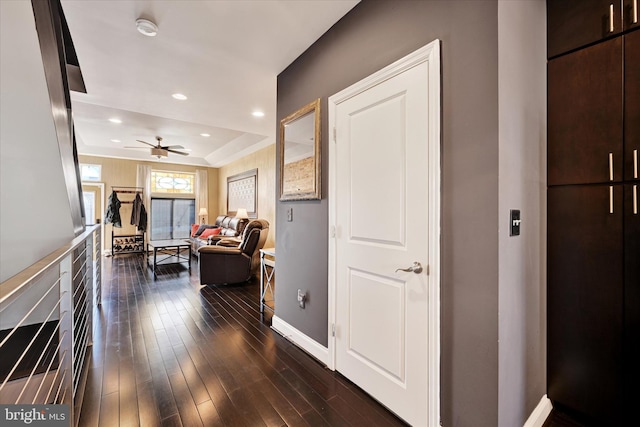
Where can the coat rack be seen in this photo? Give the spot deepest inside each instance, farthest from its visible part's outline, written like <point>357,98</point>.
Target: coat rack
<point>128,190</point>
<point>127,243</point>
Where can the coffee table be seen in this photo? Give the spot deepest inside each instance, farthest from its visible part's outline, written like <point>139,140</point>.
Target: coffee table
<point>167,252</point>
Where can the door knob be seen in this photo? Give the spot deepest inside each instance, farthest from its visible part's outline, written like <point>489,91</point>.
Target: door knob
<point>416,268</point>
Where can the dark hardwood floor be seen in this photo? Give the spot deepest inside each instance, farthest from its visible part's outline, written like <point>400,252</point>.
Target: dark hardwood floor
<point>167,352</point>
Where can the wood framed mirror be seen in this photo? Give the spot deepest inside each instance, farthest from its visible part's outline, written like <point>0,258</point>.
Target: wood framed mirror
<point>300,154</point>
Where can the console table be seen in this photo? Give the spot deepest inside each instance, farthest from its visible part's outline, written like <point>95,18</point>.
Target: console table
<point>267,268</point>
<point>166,252</point>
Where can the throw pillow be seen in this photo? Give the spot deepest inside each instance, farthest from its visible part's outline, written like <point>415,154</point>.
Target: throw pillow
<point>202,228</point>
<point>209,232</point>
<point>194,229</point>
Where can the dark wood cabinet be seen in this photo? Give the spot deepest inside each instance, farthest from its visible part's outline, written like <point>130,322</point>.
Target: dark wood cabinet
<point>572,24</point>
<point>630,14</point>
<point>593,241</point>
<point>632,106</point>
<point>585,299</point>
<point>632,296</point>
<point>593,133</point>
<point>585,115</point>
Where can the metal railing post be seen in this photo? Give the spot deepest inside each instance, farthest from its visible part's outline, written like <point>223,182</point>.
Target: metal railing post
<point>66,333</point>
<point>89,284</point>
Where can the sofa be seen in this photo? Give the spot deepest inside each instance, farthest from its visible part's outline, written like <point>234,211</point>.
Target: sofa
<point>223,263</point>
<point>225,227</point>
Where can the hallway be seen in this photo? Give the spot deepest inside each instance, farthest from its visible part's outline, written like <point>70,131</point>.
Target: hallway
<point>169,353</point>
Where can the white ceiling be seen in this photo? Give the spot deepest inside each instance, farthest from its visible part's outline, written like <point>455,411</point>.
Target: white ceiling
<point>224,55</point>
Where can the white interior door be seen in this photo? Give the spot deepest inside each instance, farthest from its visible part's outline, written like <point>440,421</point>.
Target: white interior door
<point>89,199</point>
<point>385,183</point>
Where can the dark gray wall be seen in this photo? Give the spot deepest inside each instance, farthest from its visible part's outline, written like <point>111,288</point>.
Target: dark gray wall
<point>373,35</point>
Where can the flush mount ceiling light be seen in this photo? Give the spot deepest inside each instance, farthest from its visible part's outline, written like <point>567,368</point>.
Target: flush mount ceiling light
<point>206,135</point>
<point>115,120</point>
<point>257,114</point>
<point>179,96</point>
<point>115,140</point>
<point>146,27</point>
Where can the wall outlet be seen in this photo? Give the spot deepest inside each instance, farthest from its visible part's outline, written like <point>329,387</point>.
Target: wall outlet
<point>302,298</point>
<point>289,214</point>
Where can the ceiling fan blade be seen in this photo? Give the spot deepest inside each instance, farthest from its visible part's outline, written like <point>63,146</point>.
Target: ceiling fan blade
<point>145,142</point>
<point>177,152</point>
<point>137,148</point>
<point>172,147</point>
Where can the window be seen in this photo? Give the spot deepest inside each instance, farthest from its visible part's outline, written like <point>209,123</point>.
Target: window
<point>90,172</point>
<point>172,182</point>
<point>171,218</point>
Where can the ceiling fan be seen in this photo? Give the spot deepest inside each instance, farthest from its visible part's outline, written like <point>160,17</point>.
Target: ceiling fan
<point>160,150</point>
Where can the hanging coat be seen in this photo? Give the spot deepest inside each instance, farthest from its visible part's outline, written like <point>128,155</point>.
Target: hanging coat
<point>142,223</point>
<point>139,213</point>
<point>113,211</point>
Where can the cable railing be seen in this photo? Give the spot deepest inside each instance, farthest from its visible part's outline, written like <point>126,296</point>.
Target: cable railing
<point>46,326</point>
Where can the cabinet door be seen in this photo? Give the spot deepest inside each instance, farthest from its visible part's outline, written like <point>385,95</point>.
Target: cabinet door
<point>632,105</point>
<point>575,23</point>
<point>631,13</point>
<point>585,299</point>
<point>632,296</point>
<point>585,115</point>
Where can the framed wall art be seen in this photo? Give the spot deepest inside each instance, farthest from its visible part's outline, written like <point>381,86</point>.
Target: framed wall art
<point>242,192</point>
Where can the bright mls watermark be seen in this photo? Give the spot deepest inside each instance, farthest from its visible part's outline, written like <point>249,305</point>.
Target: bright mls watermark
<point>35,415</point>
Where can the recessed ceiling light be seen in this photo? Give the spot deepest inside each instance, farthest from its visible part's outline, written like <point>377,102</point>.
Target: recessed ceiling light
<point>206,135</point>
<point>179,96</point>
<point>115,120</point>
<point>115,140</point>
<point>257,114</point>
<point>146,27</point>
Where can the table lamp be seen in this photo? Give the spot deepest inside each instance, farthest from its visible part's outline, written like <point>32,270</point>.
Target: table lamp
<point>203,212</point>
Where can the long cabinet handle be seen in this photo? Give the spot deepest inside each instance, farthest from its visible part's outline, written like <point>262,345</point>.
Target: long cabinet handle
<point>635,163</point>
<point>610,166</point>
<point>635,200</point>
<point>611,27</point>
<point>611,199</point>
<point>635,11</point>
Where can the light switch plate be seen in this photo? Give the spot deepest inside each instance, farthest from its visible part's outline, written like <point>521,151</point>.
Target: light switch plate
<point>302,298</point>
<point>514,229</point>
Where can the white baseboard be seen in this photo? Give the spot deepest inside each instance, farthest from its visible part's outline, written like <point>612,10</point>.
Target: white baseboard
<point>300,339</point>
<point>540,413</point>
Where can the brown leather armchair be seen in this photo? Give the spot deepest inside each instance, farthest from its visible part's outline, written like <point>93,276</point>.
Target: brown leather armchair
<point>221,264</point>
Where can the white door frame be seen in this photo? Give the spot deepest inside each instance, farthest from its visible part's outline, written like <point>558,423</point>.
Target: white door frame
<point>100,185</point>
<point>430,54</point>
